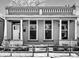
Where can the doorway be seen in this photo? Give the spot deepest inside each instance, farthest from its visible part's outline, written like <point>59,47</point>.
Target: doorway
<point>16,31</point>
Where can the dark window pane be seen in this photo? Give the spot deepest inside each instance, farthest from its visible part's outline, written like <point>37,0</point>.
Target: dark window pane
<point>64,25</point>
<point>32,27</point>
<point>33,22</point>
<point>48,22</point>
<point>64,22</point>
<point>14,28</point>
<point>24,30</point>
<point>47,34</point>
<point>47,26</point>
<point>32,34</point>
<point>64,35</point>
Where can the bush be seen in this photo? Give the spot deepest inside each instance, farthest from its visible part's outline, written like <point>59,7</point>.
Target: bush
<point>18,49</point>
<point>75,49</point>
<point>21,49</point>
<point>55,48</point>
<point>26,49</point>
<point>65,48</point>
<point>1,49</point>
<point>7,49</point>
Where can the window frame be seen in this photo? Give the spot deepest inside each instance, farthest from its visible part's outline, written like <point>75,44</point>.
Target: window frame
<point>65,30</point>
<point>29,29</point>
<point>50,29</point>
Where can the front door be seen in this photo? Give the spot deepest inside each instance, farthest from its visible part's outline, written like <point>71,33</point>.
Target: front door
<point>16,31</point>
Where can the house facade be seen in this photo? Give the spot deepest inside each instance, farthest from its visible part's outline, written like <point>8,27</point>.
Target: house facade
<point>1,29</point>
<point>40,25</point>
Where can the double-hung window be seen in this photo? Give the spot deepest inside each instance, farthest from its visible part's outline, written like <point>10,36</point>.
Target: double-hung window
<point>33,29</point>
<point>48,29</point>
<point>64,30</point>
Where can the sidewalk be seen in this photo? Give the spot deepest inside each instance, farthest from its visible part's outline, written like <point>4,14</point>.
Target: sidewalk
<point>36,54</point>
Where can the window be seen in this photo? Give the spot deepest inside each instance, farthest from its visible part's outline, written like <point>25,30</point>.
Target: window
<point>33,27</point>
<point>48,29</point>
<point>15,27</point>
<point>64,30</point>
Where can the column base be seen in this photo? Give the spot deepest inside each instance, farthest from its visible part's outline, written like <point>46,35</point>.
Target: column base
<point>69,43</point>
<point>16,43</point>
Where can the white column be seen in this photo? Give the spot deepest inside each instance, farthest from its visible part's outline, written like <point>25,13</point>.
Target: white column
<point>68,29</point>
<point>60,29</point>
<point>37,30</point>
<point>75,29</point>
<point>44,28</point>
<point>28,29</point>
<point>52,29</point>
<point>5,30</point>
<point>21,33</point>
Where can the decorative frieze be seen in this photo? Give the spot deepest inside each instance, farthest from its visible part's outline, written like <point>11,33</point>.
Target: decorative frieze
<point>45,10</point>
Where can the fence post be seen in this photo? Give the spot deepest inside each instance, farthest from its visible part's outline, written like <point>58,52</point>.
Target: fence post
<point>47,50</point>
<point>70,51</point>
<point>33,49</point>
<point>11,51</point>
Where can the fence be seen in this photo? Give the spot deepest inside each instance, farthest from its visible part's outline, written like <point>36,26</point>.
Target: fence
<point>30,51</point>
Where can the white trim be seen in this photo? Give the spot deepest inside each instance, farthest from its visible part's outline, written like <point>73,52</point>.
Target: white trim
<point>44,29</point>
<point>5,30</point>
<point>28,29</point>
<point>41,16</point>
<point>60,29</point>
<point>38,18</point>
<point>37,30</point>
<point>75,29</point>
<point>52,29</point>
<point>40,12</point>
<point>68,29</point>
<point>21,33</point>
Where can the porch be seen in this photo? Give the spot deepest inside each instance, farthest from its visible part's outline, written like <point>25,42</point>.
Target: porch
<point>23,31</point>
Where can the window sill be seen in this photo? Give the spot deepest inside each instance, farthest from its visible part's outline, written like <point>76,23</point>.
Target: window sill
<point>32,40</point>
<point>64,39</point>
<point>15,40</point>
<point>49,40</point>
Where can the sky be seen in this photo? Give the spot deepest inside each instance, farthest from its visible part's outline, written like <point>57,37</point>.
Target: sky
<point>4,3</point>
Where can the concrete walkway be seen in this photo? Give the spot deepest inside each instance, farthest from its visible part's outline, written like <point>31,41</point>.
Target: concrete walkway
<point>36,54</point>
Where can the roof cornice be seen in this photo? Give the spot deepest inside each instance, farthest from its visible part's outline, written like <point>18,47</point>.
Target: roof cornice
<point>46,16</point>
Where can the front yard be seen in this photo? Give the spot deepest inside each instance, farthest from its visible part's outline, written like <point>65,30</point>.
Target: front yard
<point>33,51</point>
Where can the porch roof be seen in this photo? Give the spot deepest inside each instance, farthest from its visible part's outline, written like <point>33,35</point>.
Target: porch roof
<point>40,17</point>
